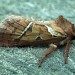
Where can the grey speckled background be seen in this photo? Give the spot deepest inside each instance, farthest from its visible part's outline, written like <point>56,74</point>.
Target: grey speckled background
<point>23,61</point>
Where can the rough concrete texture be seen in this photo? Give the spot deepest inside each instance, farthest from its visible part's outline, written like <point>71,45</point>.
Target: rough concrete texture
<point>23,61</point>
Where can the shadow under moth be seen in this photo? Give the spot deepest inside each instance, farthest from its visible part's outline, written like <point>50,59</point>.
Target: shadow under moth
<point>21,31</point>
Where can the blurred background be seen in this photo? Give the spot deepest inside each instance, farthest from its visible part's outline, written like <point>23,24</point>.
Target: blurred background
<point>23,61</point>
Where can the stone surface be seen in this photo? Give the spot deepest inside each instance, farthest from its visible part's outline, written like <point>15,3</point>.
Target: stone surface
<point>23,61</point>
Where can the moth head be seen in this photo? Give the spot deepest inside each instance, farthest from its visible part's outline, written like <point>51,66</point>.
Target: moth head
<point>66,25</point>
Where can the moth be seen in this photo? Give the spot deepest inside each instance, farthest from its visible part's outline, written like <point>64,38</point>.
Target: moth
<point>21,31</point>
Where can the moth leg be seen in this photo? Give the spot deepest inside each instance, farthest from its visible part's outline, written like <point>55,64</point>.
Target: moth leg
<point>67,50</point>
<point>46,53</point>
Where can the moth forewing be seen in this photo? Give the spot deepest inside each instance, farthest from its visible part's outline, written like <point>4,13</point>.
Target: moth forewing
<point>30,30</point>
